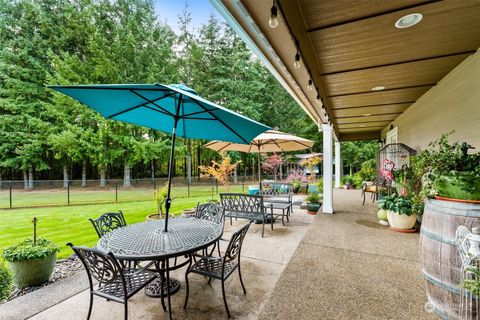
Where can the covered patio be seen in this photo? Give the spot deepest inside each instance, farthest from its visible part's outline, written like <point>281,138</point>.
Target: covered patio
<point>340,266</point>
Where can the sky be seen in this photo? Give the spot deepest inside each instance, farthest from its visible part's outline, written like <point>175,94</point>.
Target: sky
<point>168,11</point>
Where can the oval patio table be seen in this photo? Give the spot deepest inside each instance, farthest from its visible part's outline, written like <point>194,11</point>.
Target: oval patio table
<point>146,241</point>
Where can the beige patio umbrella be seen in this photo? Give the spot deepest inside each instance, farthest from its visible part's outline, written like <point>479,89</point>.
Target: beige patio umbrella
<point>269,141</point>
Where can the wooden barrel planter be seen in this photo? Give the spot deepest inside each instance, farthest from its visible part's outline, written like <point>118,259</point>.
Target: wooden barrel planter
<point>439,258</point>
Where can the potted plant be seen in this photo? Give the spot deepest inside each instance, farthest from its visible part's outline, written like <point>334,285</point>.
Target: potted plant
<point>347,182</point>
<point>313,203</point>
<point>296,179</point>
<point>5,282</point>
<point>32,260</point>
<point>451,184</point>
<point>160,197</point>
<point>451,172</point>
<point>400,212</point>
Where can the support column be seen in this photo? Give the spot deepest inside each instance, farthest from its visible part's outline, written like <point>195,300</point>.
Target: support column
<point>327,168</point>
<point>338,165</point>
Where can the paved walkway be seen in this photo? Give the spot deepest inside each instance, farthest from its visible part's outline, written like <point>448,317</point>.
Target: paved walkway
<point>349,267</point>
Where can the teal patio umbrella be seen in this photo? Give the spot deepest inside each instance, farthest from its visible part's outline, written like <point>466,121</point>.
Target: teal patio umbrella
<point>175,109</point>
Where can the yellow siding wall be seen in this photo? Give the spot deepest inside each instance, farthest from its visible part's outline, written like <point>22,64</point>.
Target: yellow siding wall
<point>453,104</point>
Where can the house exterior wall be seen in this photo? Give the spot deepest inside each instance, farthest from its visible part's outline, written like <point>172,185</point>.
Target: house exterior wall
<point>453,104</point>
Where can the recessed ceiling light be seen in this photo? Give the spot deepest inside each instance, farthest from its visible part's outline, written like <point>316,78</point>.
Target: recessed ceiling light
<point>366,114</point>
<point>362,126</point>
<point>379,88</point>
<point>409,20</point>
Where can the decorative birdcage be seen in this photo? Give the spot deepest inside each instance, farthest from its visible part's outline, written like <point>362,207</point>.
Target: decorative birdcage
<point>392,157</point>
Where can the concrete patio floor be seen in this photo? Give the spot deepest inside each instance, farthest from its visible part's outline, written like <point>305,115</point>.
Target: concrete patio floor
<point>340,266</point>
<point>349,267</point>
<point>263,260</point>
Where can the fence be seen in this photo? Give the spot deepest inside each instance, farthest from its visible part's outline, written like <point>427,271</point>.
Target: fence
<point>58,193</point>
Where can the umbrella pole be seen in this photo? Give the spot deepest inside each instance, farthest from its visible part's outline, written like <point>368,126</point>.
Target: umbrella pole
<point>259,170</point>
<point>170,173</point>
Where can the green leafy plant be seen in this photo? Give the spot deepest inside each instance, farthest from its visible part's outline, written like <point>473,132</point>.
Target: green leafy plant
<point>27,250</point>
<point>473,283</point>
<point>368,172</point>
<point>160,197</point>
<point>347,180</point>
<point>398,204</point>
<point>5,282</point>
<point>320,186</point>
<point>449,168</point>
<point>313,198</point>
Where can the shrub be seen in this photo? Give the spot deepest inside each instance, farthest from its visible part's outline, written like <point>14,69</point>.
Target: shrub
<point>5,282</point>
<point>313,198</point>
<point>26,250</point>
<point>320,186</point>
<point>347,180</point>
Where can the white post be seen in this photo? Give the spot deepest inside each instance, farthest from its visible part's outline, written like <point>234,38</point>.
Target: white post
<point>338,165</point>
<point>327,168</point>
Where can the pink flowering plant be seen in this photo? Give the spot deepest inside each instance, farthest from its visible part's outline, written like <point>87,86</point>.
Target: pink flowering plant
<point>296,176</point>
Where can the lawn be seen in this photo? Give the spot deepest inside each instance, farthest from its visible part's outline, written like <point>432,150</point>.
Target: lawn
<point>64,224</point>
<point>59,196</point>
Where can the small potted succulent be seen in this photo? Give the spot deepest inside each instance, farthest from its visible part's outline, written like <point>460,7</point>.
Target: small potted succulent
<point>313,203</point>
<point>401,212</point>
<point>32,260</point>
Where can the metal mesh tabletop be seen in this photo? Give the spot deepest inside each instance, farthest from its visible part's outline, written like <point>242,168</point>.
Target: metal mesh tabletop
<point>146,240</point>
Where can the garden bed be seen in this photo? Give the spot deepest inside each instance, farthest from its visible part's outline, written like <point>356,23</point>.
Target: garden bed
<point>63,269</point>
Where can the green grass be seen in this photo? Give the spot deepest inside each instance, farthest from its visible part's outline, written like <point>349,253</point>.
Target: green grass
<point>59,197</point>
<point>64,224</point>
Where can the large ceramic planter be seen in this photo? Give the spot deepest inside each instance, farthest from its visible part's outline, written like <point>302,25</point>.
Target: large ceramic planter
<point>312,208</point>
<point>401,221</point>
<point>32,272</point>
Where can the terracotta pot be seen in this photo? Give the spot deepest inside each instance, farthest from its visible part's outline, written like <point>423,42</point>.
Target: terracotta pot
<point>457,200</point>
<point>312,208</point>
<point>401,221</point>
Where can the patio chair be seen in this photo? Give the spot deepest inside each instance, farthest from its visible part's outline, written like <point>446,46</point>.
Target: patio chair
<point>212,212</point>
<point>108,222</point>
<point>114,282</point>
<point>219,267</point>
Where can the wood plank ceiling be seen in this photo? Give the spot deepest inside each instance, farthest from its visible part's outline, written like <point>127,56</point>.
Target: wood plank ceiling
<point>357,47</point>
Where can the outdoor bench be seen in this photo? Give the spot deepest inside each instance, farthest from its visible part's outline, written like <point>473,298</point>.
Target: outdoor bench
<point>246,206</point>
<point>280,195</point>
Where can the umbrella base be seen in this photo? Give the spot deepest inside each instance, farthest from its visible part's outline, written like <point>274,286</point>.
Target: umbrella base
<point>267,220</point>
<point>154,289</point>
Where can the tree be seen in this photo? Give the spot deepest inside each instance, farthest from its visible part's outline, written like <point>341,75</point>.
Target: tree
<point>221,171</point>
<point>272,164</point>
